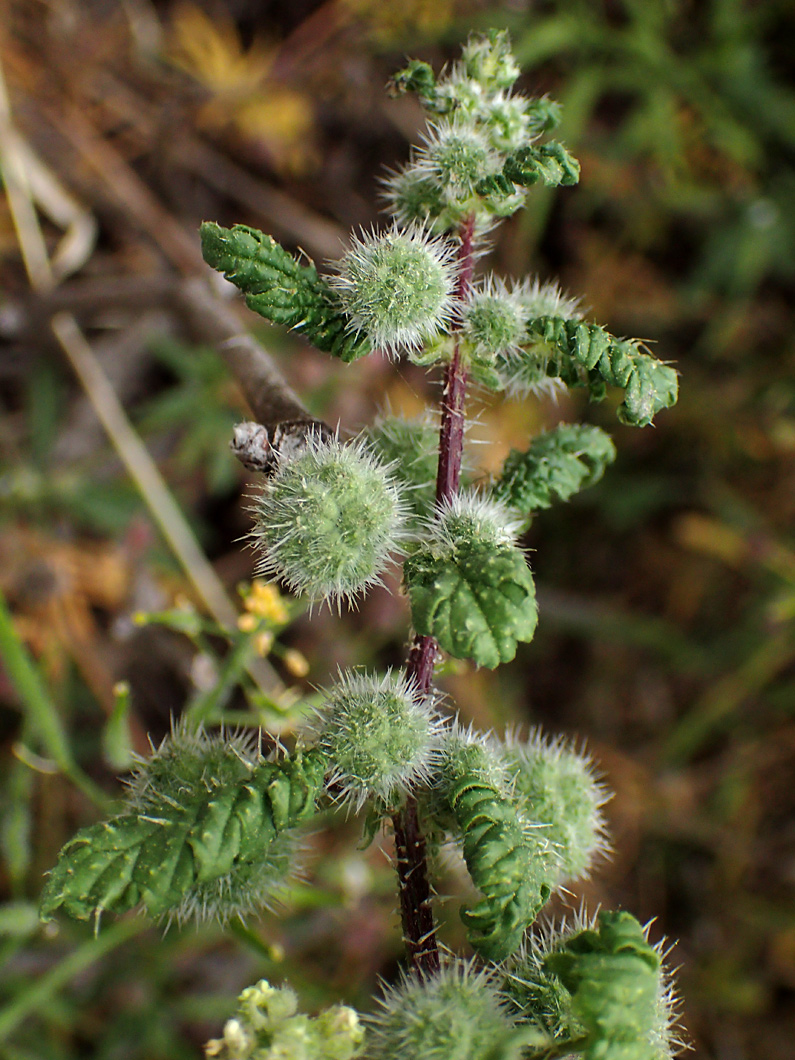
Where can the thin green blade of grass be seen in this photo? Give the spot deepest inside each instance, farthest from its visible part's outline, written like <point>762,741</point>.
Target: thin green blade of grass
<point>38,706</point>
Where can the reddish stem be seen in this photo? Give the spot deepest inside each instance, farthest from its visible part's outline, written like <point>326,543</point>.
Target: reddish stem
<point>451,435</point>
<point>419,928</point>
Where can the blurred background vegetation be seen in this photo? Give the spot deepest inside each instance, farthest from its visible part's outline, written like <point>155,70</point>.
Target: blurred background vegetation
<point>667,632</point>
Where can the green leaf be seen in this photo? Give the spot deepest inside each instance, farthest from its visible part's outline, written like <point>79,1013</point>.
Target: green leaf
<point>477,598</point>
<point>219,834</point>
<point>614,977</point>
<point>509,863</point>
<point>417,77</point>
<point>280,288</point>
<point>587,354</point>
<point>549,163</point>
<point>652,386</point>
<point>544,113</point>
<point>409,447</point>
<point>557,465</point>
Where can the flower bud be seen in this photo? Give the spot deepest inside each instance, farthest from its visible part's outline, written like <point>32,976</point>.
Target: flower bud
<point>379,737</point>
<point>397,287</point>
<point>507,121</point>
<point>456,155</point>
<point>456,1012</point>
<point>328,520</point>
<point>488,59</point>
<point>414,197</point>
<point>493,320</point>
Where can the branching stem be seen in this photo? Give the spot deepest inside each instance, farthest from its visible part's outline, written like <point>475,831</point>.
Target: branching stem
<point>419,929</point>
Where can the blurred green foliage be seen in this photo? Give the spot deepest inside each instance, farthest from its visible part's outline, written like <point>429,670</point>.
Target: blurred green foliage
<point>200,406</point>
<point>692,95</point>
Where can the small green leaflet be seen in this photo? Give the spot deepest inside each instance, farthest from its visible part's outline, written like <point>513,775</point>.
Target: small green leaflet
<point>577,347</point>
<point>416,77</point>
<point>279,288</point>
<point>550,163</point>
<point>509,863</point>
<point>136,858</point>
<point>557,465</point>
<point>614,977</point>
<point>477,599</point>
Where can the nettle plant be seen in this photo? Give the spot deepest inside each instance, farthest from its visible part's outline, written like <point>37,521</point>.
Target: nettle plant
<point>212,826</point>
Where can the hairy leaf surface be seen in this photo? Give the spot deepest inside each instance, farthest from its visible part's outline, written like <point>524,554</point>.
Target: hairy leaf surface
<point>138,858</point>
<point>549,163</point>
<point>613,975</point>
<point>476,598</point>
<point>281,289</point>
<point>557,465</point>
<point>587,354</point>
<point>509,863</point>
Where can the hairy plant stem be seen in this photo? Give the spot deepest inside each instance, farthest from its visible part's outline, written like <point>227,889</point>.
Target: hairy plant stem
<point>419,928</point>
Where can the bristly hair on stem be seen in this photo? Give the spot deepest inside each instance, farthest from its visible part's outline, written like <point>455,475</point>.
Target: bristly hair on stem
<point>419,929</point>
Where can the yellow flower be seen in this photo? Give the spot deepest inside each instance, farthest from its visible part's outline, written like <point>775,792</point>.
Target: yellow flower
<point>295,663</point>
<point>247,623</point>
<point>263,600</point>
<point>242,92</point>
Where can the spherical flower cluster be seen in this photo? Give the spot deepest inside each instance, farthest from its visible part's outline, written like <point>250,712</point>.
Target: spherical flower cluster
<point>555,786</point>
<point>539,299</point>
<point>455,156</point>
<point>464,746</point>
<point>328,520</point>
<point>528,368</point>
<point>508,122</point>
<point>471,517</point>
<point>457,1012</point>
<point>397,287</point>
<point>380,737</point>
<point>493,320</point>
<point>487,58</point>
<point>459,94</point>
<point>413,197</point>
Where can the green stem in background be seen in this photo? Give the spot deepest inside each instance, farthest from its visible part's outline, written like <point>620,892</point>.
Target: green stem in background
<point>41,992</point>
<point>419,928</point>
<point>39,708</point>
<point>713,712</point>
<point>207,707</point>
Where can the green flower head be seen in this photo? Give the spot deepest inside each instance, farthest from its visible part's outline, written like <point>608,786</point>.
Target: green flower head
<point>397,287</point>
<point>381,738</point>
<point>493,320</point>
<point>556,787</point>
<point>329,520</point>
<point>458,1012</point>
